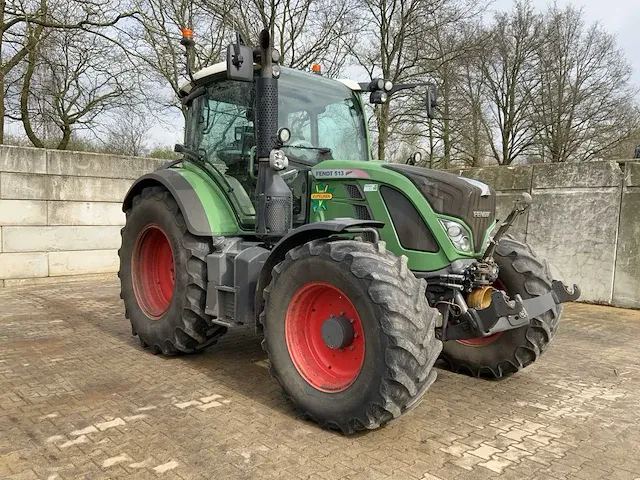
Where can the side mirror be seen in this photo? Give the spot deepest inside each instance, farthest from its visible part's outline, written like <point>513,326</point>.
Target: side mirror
<point>239,61</point>
<point>378,97</point>
<point>432,101</point>
<point>414,158</point>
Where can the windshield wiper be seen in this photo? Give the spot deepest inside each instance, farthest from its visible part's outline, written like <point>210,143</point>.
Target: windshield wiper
<point>302,161</point>
<point>322,150</point>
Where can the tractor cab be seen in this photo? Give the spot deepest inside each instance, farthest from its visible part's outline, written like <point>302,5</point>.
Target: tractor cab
<point>325,119</point>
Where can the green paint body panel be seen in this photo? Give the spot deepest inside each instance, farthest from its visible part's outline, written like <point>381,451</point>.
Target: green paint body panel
<point>341,205</point>
<point>222,218</point>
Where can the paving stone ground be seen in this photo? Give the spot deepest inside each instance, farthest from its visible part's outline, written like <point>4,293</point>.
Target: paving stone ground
<point>79,398</point>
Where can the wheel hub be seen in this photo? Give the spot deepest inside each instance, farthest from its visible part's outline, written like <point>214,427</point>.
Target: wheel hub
<point>337,332</point>
<point>153,271</point>
<point>325,337</point>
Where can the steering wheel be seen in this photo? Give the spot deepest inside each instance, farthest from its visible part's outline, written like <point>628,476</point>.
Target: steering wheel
<point>230,155</point>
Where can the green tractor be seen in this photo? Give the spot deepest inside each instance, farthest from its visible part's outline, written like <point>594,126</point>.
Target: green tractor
<point>360,274</point>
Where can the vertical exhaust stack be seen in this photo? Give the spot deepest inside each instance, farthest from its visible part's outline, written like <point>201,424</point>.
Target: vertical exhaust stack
<point>274,214</point>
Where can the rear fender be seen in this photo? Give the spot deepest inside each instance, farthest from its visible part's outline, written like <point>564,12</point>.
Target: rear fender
<point>204,207</point>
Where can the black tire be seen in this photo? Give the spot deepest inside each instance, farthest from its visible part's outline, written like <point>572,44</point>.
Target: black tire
<point>398,330</point>
<point>183,327</point>
<point>522,272</point>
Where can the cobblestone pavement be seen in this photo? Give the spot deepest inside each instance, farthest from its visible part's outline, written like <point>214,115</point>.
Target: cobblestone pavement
<point>79,398</point>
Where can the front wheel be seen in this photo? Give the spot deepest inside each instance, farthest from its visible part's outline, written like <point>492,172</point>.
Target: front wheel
<point>349,333</point>
<point>501,355</point>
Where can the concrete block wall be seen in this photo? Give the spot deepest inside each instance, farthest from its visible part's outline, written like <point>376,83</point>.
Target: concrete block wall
<point>60,212</point>
<point>626,288</point>
<point>60,217</point>
<point>584,221</point>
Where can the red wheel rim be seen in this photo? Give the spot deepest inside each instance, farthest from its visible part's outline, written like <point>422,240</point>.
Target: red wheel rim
<point>326,369</point>
<point>153,271</point>
<point>482,341</point>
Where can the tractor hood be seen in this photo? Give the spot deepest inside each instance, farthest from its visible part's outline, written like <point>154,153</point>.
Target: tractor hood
<point>471,201</point>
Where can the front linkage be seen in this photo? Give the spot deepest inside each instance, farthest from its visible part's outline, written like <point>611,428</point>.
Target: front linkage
<point>504,314</point>
<point>500,313</point>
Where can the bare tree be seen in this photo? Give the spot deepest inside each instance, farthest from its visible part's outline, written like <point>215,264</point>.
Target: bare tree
<point>388,48</point>
<point>70,80</point>
<point>153,43</point>
<point>305,31</point>
<point>584,103</point>
<point>446,42</point>
<point>24,23</point>
<point>460,127</point>
<point>627,148</point>
<point>510,75</point>
<point>127,134</point>
<point>401,44</point>
<point>470,112</point>
<point>473,143</point>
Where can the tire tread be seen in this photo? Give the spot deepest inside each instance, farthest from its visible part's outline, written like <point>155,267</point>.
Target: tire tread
<point>408,321</point>
<point>194,331</point>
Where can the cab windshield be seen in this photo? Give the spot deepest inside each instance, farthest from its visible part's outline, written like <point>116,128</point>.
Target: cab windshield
<point>321,114</point>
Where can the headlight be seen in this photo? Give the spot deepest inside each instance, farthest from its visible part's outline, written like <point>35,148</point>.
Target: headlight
<point>457,234</point>
<point>278,160</point>
<point>454,231</point>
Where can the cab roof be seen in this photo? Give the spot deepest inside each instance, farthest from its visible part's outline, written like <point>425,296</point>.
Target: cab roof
<point>221,67</point>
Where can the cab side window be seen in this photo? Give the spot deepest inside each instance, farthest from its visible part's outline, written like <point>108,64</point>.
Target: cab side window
<point>225,136</point>
<point>226,124</point>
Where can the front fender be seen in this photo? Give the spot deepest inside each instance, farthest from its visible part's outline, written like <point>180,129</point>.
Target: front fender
<point>300,236</point>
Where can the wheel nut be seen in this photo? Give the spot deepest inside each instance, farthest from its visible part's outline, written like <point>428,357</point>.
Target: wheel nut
<point>351,347</point>
<point>355,335</point>
<point>351,320</point>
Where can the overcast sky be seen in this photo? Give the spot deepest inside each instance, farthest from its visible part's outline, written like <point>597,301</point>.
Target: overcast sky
<point>620,17</point>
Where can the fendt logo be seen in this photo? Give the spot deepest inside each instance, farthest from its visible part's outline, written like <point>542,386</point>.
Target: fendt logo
<point>481,214</point>
<point>339,173</point>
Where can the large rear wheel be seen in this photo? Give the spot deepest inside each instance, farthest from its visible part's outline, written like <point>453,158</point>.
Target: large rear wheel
<point>163,275</point>
<point>501,355</point>
<point>349,333</point>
